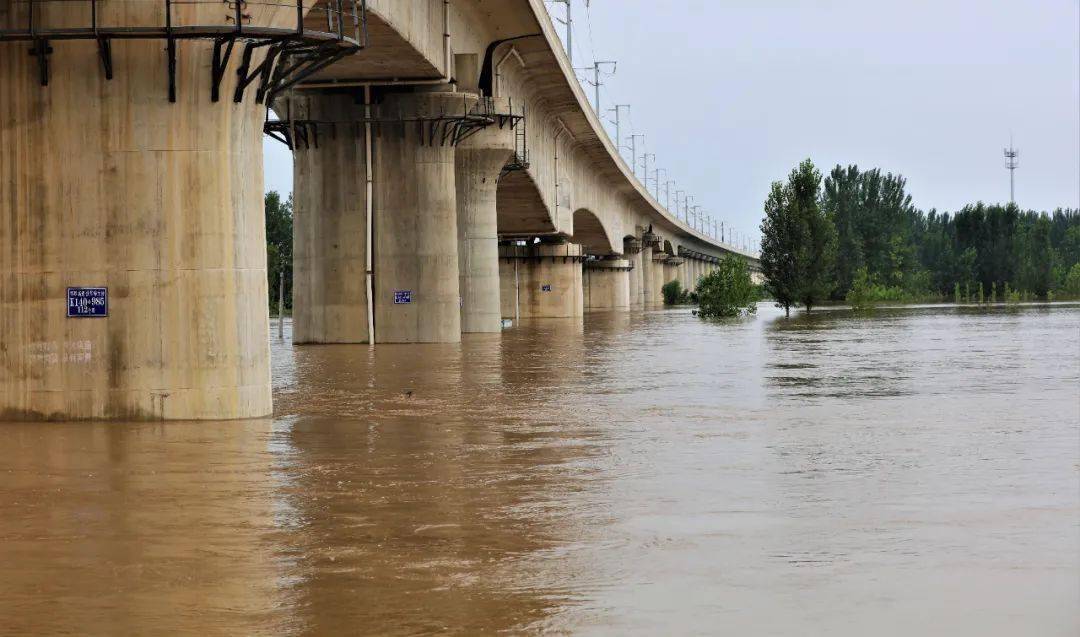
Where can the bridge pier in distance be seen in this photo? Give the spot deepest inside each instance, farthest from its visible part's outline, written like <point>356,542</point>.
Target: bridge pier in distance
<point>606,284</point>
<point>671,269</point>
<point>682,273</point>
<point>132,237</point>
<point>541,280</point>
<point>659,277</point>
<point>648,278</point>
<point>632,249</point>
<point>480,159</point>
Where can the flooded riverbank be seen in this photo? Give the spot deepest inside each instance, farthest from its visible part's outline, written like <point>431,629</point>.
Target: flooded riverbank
<point>910,472</point>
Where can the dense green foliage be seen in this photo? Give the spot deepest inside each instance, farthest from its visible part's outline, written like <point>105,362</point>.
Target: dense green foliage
<point>888,250</point>
<point>798,245</point>
<point>279,253</point>
<point>727,290</point>
<point>674,294</point>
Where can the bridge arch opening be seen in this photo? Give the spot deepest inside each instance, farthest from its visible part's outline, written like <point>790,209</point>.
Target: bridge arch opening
<point>520,207</point>
<point>589,232</point>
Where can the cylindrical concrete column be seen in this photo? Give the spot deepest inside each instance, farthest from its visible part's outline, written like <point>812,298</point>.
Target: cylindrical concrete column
<point>330,223</point>
<point>671,271</point>
<point>607,284</point>
<point>658,279</point>
<point>542,281</point>
<point>632,249</point>
<point>106,184</point>
<point>648,278</point>
<point>417,293</point>
<point>479,161</point>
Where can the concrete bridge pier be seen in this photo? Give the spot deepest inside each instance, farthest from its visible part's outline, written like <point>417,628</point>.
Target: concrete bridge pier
<point>330,208</point>
<point>155,205</point>
<point>682,273</point>
<point>632,249</point>
<point>648,279</point>
<point>658,270</point>
<point>607,284</point>
<point>541,281</point>
<point>671,269</point>
<point>479,161</point>
<point>417,284</point>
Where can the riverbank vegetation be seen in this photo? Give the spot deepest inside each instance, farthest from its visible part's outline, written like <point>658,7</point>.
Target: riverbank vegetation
<point>855,235</point>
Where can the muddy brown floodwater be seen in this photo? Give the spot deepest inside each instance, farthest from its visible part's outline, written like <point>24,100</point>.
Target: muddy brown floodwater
<point>912,473</point>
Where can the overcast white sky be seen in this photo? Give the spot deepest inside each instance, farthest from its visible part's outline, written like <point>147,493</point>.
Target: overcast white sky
<point>731,94</point>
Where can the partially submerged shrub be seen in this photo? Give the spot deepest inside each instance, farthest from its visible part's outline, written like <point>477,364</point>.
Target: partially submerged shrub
<point>727,290</point>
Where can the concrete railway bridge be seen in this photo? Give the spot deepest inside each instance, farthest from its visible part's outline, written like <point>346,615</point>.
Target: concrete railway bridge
<point>449,173</point>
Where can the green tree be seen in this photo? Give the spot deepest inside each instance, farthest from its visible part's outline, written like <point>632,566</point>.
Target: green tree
<point>279,247</point>
<point>727,290</point>
<point>817,253</point>
<point>780,235</point>
<point>673,292</point>
<point>863,294</point>
<point>1072,281</point>
<point>798,244</point>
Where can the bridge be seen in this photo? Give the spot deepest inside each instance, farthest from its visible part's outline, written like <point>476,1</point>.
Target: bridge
<point>449,174</point>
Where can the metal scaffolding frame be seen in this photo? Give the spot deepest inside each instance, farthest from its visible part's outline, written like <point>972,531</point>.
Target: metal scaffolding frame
<point>293,54</point>
<point>443,129</point>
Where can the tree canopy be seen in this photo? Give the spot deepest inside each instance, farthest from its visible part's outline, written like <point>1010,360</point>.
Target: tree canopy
<point>798,245</point>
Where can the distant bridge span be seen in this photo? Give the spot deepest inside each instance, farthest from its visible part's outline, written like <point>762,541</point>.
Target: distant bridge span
<point>559,177</point>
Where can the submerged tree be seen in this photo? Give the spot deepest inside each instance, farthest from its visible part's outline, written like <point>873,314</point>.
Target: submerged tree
<point>798,244</point>
<point>727,290</point>
<point>674,293</point>
<point>780,235</point>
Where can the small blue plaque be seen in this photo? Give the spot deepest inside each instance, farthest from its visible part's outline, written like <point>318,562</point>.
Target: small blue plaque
<point>87,302</point>
<point>402,297</point>
<point>545,288</point>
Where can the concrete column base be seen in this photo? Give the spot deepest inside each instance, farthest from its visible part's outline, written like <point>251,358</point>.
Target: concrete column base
<point>658,269</point>
<point>607,285</point>
<point>541,281</point>
<point>632,249</point>
<point>648,278</point>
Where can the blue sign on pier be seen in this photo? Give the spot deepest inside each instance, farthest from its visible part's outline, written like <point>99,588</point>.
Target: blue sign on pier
<point>402,297</point>
<point>87,302</point>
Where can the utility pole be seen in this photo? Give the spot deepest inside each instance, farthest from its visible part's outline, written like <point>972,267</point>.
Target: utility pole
<point>1011,162</point>
<point>677,193</point>
<point>633,149</point>
<point>667,195</point>
<point>569,22</point>
<point>645,175</point>
<point>618,125</point>
<point>596,79</point>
